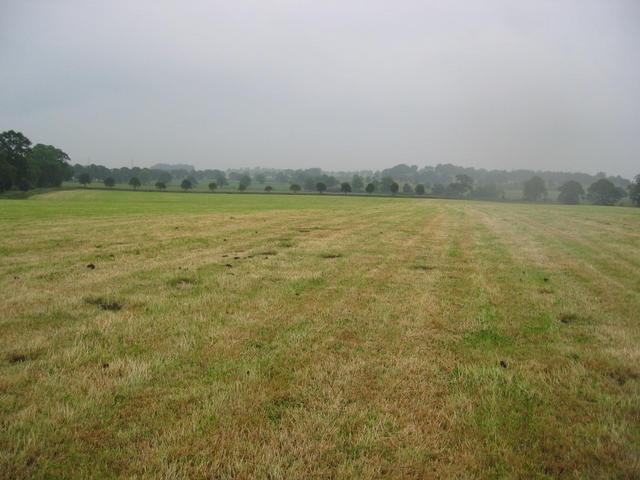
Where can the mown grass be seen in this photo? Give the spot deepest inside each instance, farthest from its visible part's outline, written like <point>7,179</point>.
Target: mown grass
<point>295,337</point>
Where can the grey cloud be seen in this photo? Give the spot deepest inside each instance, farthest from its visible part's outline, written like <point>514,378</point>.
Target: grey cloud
<point>337,84</point>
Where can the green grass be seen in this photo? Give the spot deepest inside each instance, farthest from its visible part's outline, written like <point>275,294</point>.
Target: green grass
<point>273,336</point>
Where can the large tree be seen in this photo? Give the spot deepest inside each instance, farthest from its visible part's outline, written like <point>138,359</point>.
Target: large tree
<point>16,147</point>
<point>534,189</point>
<point>49,165</point>
<point>571,192</point>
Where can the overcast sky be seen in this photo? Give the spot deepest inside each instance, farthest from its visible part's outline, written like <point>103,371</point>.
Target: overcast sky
<point>337,84</point>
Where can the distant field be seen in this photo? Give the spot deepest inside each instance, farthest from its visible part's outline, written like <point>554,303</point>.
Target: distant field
<point>268,336</point>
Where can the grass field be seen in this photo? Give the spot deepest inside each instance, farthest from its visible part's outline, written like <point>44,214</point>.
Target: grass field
<point>235,336</point>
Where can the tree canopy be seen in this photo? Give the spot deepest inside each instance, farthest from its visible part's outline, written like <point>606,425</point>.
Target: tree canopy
<point>570,192</point>
<point>534,189</point>
<point>603,192</point>
<point>28,167</point>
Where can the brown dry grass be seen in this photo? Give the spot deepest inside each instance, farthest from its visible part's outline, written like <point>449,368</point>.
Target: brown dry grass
<point>332,337</point>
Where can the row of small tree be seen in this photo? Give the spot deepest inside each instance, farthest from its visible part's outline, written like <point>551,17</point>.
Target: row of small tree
<point>601,192</point>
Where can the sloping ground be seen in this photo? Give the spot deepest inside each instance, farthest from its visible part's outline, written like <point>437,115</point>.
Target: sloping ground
<point>289,337</point>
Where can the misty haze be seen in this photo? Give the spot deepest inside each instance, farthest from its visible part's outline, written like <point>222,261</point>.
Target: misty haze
<point>337,239</point>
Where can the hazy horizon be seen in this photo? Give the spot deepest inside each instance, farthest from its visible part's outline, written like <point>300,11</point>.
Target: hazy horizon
<point>339,85</point>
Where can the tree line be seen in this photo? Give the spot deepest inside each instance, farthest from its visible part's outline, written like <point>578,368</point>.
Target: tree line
<point>24,166</point>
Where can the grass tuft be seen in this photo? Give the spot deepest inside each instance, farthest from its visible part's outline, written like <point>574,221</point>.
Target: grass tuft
<point>104,303</point>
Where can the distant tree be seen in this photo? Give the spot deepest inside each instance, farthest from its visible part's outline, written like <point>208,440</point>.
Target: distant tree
<point>268,188</point>
<point>420,189</point>
<point>634,191</point>
<point>462,187</point>
<point>456,190</point>
<point>570,192</point>
<point>186,184</point>
<point>534,189</point>
<point>370,188</point>
<point>242,187</point>
<point>161,185</point>
<point>84,179</point>
<point>309,184</point>
<point>245,180</point>
<point>603,192</point>
<point>394,187</point>
<point>438,189</point>
<point>134,182</point>
<point>213,186</point>
<point>465,180</point>
<point>260,178</point>
<point>295,187</point>
<point>357,183</point>
<point>165,177</point>
<point>221,178</point>
<point>487,192</point>
<point>109,182</point>
<point>345,187</point>
<point>406,188</point>
<point>386,184</point>
<point>321,187</point>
